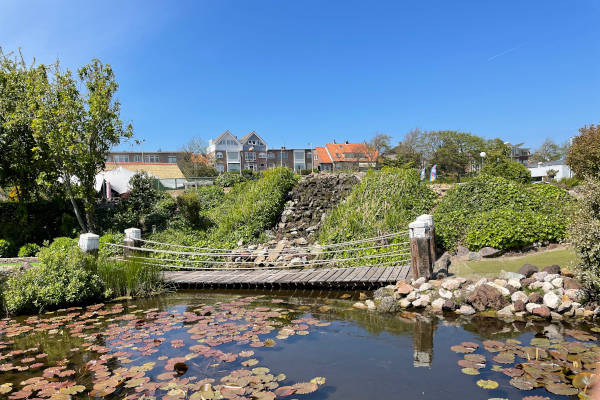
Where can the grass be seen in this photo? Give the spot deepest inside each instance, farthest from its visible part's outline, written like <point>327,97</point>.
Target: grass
<point>130,278</point>
<point>487,268</point>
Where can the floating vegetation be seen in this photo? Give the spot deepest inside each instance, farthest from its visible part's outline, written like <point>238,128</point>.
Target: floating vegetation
<point>116,341</point>
<point>561,367</point>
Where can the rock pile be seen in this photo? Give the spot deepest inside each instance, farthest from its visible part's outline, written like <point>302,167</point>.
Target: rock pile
<point>550,294</point>
<point>310,200</point>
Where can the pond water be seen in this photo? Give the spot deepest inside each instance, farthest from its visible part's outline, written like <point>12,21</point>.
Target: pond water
<point>131,349</point>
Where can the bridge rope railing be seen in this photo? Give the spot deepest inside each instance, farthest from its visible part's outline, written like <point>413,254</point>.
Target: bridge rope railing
<point>380,250</point>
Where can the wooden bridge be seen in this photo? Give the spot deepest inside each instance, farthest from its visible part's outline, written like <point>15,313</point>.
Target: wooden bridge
<point>372,276</point>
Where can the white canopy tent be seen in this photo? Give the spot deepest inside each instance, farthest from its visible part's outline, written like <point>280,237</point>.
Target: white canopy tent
<point>118,179</point>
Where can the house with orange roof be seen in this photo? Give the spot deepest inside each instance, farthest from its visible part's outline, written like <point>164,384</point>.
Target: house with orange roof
<point>345,156</point>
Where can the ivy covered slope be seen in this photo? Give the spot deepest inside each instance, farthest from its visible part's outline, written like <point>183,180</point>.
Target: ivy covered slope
<point>500,213</point>
<point>385,201</point>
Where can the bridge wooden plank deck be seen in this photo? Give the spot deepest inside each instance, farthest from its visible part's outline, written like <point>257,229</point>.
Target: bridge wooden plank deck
<point>323,277</point>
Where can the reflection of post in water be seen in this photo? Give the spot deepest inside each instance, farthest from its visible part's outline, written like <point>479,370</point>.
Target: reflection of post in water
<point>423,342</point>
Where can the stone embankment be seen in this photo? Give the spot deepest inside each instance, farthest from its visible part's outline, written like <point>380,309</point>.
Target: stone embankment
<point>548,294</point>
<point>309,202</point>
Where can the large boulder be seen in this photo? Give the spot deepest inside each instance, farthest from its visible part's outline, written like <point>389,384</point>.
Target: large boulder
<point>486,296</point>
<point>551,300</point>
<point>570,283</point>
<point>528,270</point>
<point>387,304</point>
<point>489,252</point>
<point>541,311</point>
<point>536,298</point>
<point>552,269</point>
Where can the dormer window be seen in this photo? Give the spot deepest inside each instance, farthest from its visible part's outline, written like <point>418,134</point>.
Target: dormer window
<point>254,142</point>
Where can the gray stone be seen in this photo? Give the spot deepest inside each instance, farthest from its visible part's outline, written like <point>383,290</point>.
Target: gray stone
<point>552,269</point>
<point>541,311</point>
<point>551,300</point>
<point>425,286</point>
<point>564,306</point>
<point>557,282</point>
<point>519,306</point>
<point>446,294</point>
<point>442,263</point>
<point>577,295</point>
<point>419,281</point>
<point>488,296</point>
<point>516,283</point>
<point>527,270</point>
<point>539,276</point>
<point>387,304</point>
<point>535,297</point>
<point>531,306</point>
<point>547,287</point>
<point>462,251</point>
<point>451,284</point>
<point>466,310</point>
<point>505,312</point>
<point>570,283</point>
<point>360,305</point>
<point>580,312</point>
<point>474,256</point>
<point>501,289</point>
<point>370,304</point>
<point>555,316</point>
<point>511,275</point>
<point>412,296</point>
<point>489,252</point>
<point>519,296</point>
<point>422,301</point>
<point>404,303</point>
<point>438,304</point>
<point>449,305</point>
<point>551,277</point>
<point>383,292</point>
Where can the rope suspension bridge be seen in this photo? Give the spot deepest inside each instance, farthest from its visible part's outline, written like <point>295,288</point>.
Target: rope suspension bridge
<point>368,262</point>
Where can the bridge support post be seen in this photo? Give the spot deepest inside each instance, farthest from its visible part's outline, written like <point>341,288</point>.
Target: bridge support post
<point>422,246</point>
<point>89,243</point>
<point>132,239</point>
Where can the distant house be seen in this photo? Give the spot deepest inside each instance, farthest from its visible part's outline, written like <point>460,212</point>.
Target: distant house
<point>168,173</point>
<point>345,156</point>
<point>518,153</point>
<point>228,153</point>
<point>539,171</point>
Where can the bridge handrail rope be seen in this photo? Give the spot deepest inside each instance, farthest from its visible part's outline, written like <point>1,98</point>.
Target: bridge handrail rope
<point>254,268</point>
<point>296,264</point>
<point>266,252</point>
<point>367,240</point>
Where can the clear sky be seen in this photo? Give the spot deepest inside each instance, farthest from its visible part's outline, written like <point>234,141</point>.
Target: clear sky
<point>313,71</point>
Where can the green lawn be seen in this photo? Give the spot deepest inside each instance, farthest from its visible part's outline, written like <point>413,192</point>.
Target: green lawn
<point>491,267</point>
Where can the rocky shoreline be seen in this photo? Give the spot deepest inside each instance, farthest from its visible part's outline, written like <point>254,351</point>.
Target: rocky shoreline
<point>549,294</point>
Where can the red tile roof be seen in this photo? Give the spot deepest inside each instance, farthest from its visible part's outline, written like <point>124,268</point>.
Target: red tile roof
<point>337,151</point>
<point>322,156</point>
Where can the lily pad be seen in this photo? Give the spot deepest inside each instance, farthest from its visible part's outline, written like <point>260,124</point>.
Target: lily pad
<point>521,383</point>
<point>305,387</point>
<point>319,380</point>
<point>562,389</point>
<point>469,371</point>
<point>487,384</point>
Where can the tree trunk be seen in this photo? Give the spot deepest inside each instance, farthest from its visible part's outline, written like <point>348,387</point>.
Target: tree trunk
<point>75,206</point>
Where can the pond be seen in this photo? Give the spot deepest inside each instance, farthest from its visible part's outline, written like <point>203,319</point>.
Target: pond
<point>295,345</point>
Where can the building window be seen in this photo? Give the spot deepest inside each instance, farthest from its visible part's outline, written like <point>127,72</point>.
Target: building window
<point>271,155</point>
<point>233,156</point>
<point>271,165</point>
<point>220,168</point>
<point>121,158</point>
<point>172,159</point>
<point>262,165</point>
<point>284,156</point>
<point>316,157</point>
<point>151,159</point>
<point>233,167</point>
<point>299,155</point>
<point>254,142</point>
<point>249,156</point>
<point>262,155</point>
<point>219,155</point>
<point>137,158</point>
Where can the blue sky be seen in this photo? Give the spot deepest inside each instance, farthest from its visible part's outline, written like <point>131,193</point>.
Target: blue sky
<point>314,71</point>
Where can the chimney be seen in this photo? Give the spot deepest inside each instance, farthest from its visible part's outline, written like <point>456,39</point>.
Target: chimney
<point>346,142</point>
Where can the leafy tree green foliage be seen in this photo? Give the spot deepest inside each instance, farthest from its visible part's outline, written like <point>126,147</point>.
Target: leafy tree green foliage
<point>75,129</point>
<point>5,248</point>
<point>28,250</point>
<point>584,153</point>
<point>384,202</point>
<point>105,250</point>
<point>585,233</point>
<point>253,206</point>
<point>65,277</point>
<point>194,204</point>
<point>19,167</point>
<point>497,212</point>
<point>507,168</point>
<point>549,151</point>
<point>230,178</point>
<point>195,161</point>
<point>381,143</point>
<point>406,153</point>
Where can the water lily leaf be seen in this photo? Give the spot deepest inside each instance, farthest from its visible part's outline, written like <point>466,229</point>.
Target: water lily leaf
<point>497,368</point>
<point>478,358</point>
<point>583,379</point>
<point>263,396</point>
<point>536,398</point>
<point>521,383</point>
<point>5,388</point>
<point>305,387</point>
<point>284,391</point>
<point>562,389</point>
<point>513,372</point>
<point>461,349</point>
<point>469,371</point>
<point>504,358</point>
<point>269,343</point>
<point>487,384</point>
<point>319,380</point>
<point>248,353</point>
<point>250,362</point>
<point>260,371</point>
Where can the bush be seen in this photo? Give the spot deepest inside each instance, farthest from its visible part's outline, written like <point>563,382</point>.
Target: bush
<point>105,250</point>
<point>65,277</point>
<point>28,250</point>
<point>231,178</point>
<point>507,168</point>
<point>5,248</point>
<point>570,182</point>
<point>497,212</point>
<point>384,202</point>
<point>251,207</point>
<point>584,233</point>
<point>193,205</point>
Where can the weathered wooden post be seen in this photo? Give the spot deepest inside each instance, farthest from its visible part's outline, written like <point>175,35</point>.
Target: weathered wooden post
<point>422,246</point>
<point>132,239</point>
<point>89,243</point>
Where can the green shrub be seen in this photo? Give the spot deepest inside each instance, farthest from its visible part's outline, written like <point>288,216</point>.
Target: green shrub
<point>584,233</point>
<point>5,248</point>
<point>104,250</point>
<point>570,182</point>
<point>493,211</point>
<point>253,206</point>
<point>231,178</point>
<point>193,205</point>
<point>28,250</point>
<point>507,168</point>
<point>66,276</point>
<point>384,202</point>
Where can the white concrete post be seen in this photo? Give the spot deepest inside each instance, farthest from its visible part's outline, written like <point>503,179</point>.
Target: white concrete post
<point>89,242</point>
<point>132,236</point>
<point>422,246</point>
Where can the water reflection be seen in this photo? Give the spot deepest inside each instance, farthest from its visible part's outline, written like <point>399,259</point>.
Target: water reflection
<point>424,329</point>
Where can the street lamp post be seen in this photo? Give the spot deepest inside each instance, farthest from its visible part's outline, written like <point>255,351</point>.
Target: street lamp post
<point>482,155</point>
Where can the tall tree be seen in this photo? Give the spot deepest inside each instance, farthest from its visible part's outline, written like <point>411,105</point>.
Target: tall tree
<point>584,153</point>
<point>549,151</point>
<point>78,128</point>
<point>381,143</point>
<point>195,161</point>
<point>406,152</point>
